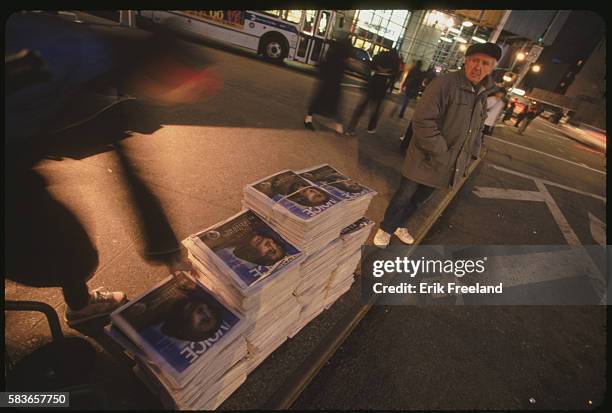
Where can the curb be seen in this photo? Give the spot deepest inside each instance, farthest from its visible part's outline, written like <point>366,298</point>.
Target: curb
<point>298,380</point>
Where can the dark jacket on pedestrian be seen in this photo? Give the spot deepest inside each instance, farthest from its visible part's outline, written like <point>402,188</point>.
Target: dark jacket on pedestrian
<point>326,98</point>
<point>447,124</point>
<point>386,66</point>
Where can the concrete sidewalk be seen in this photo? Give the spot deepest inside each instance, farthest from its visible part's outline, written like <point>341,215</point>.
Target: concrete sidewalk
<point>191,161</point>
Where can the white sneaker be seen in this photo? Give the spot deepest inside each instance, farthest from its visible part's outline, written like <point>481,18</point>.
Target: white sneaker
<point>404,236</point>
<point>101,303</point>
<point>382,238</point>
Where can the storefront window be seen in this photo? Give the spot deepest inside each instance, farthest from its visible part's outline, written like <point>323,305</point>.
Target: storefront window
<point>385,27</point>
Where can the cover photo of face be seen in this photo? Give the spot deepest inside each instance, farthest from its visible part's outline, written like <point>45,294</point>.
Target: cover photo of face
<point>180,320</point>
<point>335,182</point>
<point>249,247</point>
<point>307,200</point>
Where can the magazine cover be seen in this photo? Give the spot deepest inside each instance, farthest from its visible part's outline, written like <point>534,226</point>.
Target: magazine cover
<point>335,182</point>
<point>296,194</point>
<point>177,323</point>
<point>249,247</point>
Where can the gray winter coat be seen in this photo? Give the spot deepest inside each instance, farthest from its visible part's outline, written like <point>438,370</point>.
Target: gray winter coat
<point>447,128</point>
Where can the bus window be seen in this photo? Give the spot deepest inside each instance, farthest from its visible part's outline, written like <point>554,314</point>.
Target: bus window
<point>276,13</point>
<point>323,23</point>
<point>294,16</point>
<point>309,21</point>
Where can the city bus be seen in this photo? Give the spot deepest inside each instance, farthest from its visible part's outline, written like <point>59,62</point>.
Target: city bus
<point>301,35</point>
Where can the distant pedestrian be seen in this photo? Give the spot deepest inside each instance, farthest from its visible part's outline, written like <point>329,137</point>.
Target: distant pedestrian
<point>447,121</point>
<point>495,104</point>
<point>386,67</point>
<point>411,85</point>
<point>509,110</point>
<point>533,112</point>
<point>326,98</point>
<point>523,115</point>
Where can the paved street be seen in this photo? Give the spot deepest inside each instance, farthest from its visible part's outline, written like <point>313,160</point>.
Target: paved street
<point>193,161</point>
<point>488,357</point>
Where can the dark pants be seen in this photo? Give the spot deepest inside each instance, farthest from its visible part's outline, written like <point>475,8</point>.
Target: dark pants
<point>374,102</point>
<point>409,196</point>
<point>406,141</point>
<point>47,246</point>
<point>520,118</point>
<point>507,115</point>
<point>407,96</point>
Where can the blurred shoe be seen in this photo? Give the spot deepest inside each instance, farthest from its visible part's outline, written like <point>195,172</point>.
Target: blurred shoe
<point>350,132</point>
<point>372,131</point>
<point>382,238</point>
<point>308,125</point>
<point>101,303</point>
<point>404,236</point>
<point>339,129</point>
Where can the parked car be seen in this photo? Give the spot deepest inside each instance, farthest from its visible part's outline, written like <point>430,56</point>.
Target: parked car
<point>359,63</point>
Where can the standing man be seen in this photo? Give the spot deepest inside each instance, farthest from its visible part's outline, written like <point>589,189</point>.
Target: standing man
<point>386,67</point>
<point>447,125</point>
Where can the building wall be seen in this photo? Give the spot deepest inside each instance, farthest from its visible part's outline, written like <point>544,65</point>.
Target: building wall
<point>589,89</point>
<point>537,24</point>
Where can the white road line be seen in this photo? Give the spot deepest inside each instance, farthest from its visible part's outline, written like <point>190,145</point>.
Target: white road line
<point>598,229</point>
<point>514,194</point>
<point>546,154</point>
<point>564,226</point>
<point>531,268</point>
<point>352,85</point>
<point>551,183</point>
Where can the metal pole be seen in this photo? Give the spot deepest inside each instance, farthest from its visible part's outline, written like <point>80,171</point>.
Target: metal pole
<point>495,35</point>
<point>522,74</point>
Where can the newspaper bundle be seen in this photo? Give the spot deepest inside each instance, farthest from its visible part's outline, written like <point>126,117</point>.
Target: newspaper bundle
<point>245,262</point>
<point>328,274</point>
<point>189,347</point>
<point>355,197</point>
<point>254,270</point>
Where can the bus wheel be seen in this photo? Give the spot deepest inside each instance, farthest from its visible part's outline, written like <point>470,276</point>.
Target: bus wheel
<point>274,49</point>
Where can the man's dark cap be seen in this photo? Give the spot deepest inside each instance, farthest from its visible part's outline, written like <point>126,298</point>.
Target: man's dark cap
<point>490,49</point>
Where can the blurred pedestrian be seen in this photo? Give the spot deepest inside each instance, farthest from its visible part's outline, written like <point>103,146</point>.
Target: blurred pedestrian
<point>326,98</point>
<point>533,112</point>
<point>509,110</point>
<point>386,67</point>
<point>411,85</point>
<point>446,124</point>
<point>495,104</point>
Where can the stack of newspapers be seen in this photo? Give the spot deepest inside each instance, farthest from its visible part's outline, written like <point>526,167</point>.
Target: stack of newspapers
<point>253,270</point>
<point>308,213</point>
<point>188,346</point>
<point>355,198</point>
<point>328,274</point>
<point>352,237</point>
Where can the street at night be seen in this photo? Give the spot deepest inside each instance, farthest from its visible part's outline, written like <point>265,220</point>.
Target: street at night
<point>115,181</point>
